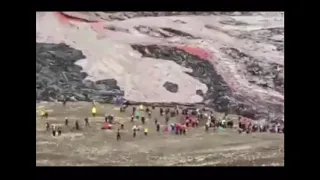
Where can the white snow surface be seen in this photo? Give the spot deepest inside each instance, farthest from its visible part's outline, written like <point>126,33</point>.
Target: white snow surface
<point>109,55</point>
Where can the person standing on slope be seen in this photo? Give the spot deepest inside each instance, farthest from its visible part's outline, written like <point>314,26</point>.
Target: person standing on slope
<point>44,114</point>
<point>53,130</point>
<point>134,130</point>
<point>167,118</point>
<point>149,114</point>
<point>118,135</point>
<point>143,120</point>
<point>94,111</point>
<point>161,111</point>
<point>66,121</point>
<point>77,125</point>
<point>86,121</point>
<point>59,131</point>
<point>145,131</point>
<point>134,110</point>
<point>94,103</point>
<point>47,126</point>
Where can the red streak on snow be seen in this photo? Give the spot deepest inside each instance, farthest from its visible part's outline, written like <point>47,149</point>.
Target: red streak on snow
<point>201,53</point>
<point>64,18</point>
<point>98,27</point>
<point>95,25</point>
<point>61,18</point>
<point>206,55</point>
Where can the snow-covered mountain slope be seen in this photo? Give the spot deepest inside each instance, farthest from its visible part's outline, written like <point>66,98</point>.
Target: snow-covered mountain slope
<point>232,61</point>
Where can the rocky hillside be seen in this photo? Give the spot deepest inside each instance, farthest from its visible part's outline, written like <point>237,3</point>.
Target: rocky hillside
<point>231,61</point>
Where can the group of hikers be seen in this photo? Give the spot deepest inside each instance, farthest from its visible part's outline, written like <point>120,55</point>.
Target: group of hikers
<point>186,118</point>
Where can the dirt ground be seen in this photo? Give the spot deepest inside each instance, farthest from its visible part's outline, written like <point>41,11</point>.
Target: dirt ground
<point>92,146</point>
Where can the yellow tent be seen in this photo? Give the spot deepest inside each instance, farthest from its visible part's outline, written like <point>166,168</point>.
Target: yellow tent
<point>141,107</point>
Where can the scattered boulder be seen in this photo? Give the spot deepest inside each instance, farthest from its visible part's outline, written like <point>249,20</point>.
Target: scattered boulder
<point>171,87</point>
<point>199,92</point>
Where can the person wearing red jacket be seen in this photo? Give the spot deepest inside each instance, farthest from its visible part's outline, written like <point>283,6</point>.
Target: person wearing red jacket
<point>106,126</point>
<point>177,128</point>
<point>197,122</point>
<point>187,121</point>
<point>180,129</point>
<point>193,122</point>
<point>184,129</point>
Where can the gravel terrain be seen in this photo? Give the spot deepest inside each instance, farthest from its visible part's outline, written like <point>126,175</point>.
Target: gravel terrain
<point>93,146</point>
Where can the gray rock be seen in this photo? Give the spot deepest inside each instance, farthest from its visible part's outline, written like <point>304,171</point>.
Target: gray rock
<point>127,15</point>
<point>219,96</point>
<point>202,70</point>
<point>57,76</point>
<point>79,97</point>
<point>89,84</point>
<point>110,83</point>
<point>260,72</point>
<point>171,87</point>
<point>279,79</point>
<point>199,92</point>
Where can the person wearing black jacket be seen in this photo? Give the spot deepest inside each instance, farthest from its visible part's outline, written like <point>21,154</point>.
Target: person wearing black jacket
<point>118,135</point>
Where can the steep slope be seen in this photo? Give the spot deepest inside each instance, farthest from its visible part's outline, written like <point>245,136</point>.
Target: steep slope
<point>229,61</point>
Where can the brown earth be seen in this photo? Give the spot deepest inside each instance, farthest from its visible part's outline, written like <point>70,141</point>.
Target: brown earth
<point>93,146</point>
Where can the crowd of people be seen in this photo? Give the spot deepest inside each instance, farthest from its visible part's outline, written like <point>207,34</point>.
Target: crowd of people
<point>186,118</point>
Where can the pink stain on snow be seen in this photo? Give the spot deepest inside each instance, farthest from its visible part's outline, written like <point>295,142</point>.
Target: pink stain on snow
<point>65,19</point>
<point>61,18</point>
<point>203,54</point>
<point>98,27</point>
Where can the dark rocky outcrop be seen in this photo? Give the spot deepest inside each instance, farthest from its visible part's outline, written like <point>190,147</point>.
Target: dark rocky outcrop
<point>162,32</point>
<point>171,87</point>
<point>233,23</point>
<point>262,73</point>
<point>128,15</point>
<point>219,96</point>
<point>218,92</point>
<point>150,31</point>
<point>57,76</point>
<point>120,16</point>
<point>115,28</point>
<point>175,32</point>
<point>266,35</point>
